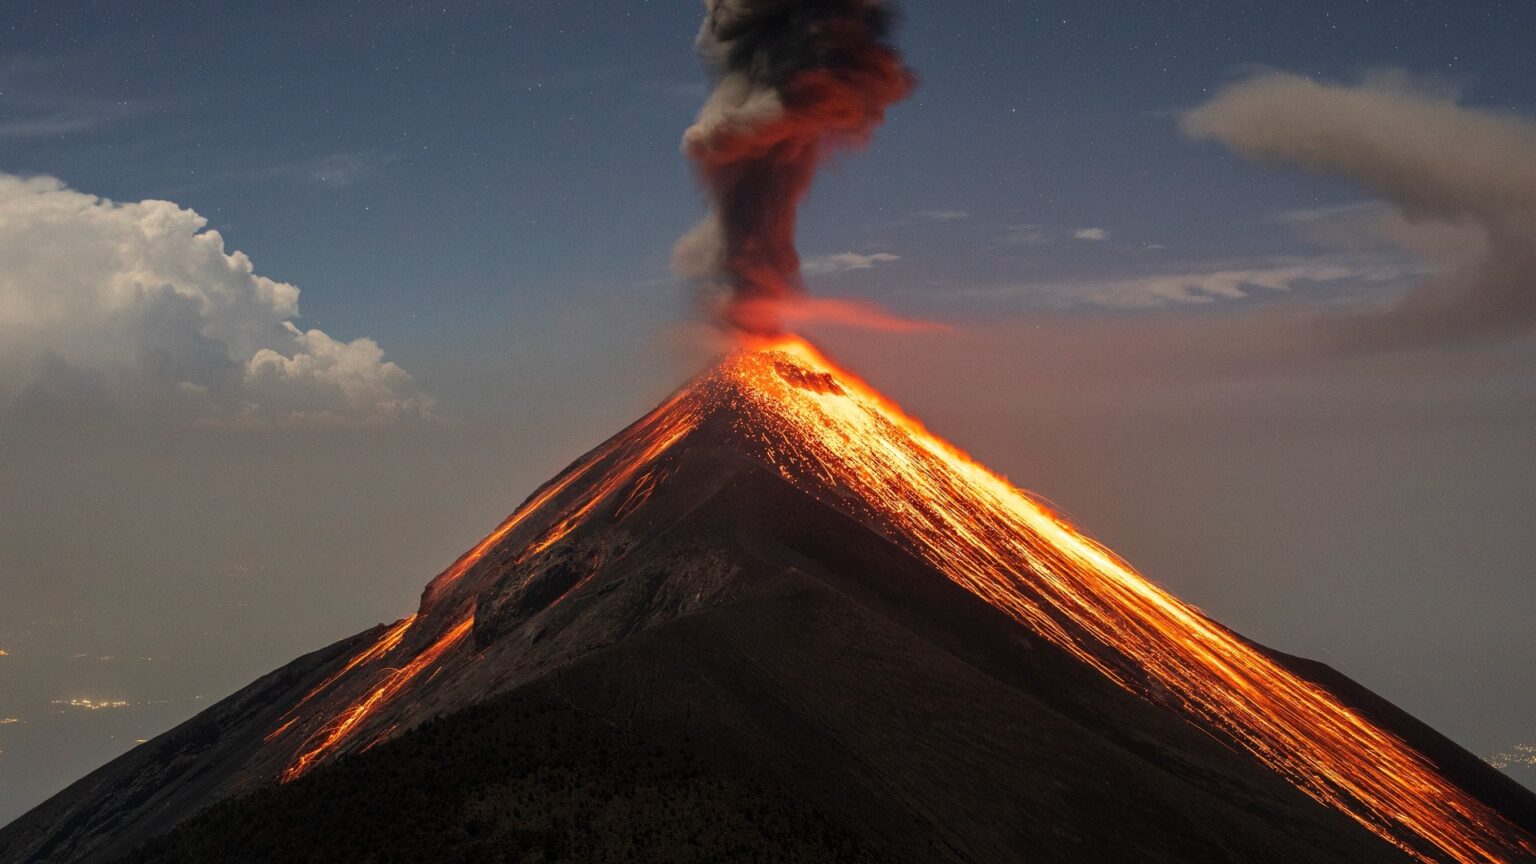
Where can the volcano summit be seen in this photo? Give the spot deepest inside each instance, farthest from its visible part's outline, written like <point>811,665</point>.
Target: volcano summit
<point>777,619</point>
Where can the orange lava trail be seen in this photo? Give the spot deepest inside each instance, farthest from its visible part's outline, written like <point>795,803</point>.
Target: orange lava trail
<point>278,732</point>
<point>347,722</point>
<point>610,483</point>
<point>826,426</point>
<point>550,491</point>
<point>386,644</point>
<point>624,457</point>
<point>824,430</point>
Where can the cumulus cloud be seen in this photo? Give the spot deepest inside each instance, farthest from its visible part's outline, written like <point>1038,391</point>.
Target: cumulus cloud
<point>1450,172</point>
<point>1091,234</point>
<point>844,261</point>
<point>327,379</point>
<point>138,307</point>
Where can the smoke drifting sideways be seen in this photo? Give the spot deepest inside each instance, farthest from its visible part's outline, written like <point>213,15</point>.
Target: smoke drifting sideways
<point>1438,162</point>
<point>794,81</point>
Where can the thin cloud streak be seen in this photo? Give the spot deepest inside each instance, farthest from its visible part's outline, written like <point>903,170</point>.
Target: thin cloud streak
<point>842,262</point>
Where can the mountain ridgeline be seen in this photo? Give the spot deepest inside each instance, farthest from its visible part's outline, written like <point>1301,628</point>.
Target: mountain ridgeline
<point>777,620</point>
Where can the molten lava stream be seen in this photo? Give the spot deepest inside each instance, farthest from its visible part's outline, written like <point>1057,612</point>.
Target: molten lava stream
<point>1005,547</point>
<point>625,457</point>
<point>645,428</point>
<point>348,721</point>
<point>829,433</point>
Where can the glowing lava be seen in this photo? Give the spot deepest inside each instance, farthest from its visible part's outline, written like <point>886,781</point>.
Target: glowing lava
<point>829,434</point>
<point>624,457</point>
<point>345,723</point>
<point>831,431</point>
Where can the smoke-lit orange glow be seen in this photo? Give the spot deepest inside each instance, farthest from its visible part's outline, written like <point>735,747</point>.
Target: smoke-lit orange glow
<point>830,434</point>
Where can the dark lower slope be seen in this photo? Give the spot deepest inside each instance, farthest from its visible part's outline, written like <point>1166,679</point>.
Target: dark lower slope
<point>799,724</point>
<point>530,778</point>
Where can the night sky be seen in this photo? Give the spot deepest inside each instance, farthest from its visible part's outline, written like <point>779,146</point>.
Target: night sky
<point>1247,289</point>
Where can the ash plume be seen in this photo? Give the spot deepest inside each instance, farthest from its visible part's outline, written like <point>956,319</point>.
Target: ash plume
<point>794,80</point>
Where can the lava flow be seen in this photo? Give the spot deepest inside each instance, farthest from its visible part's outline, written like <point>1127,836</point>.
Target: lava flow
<point>827,433</point>
<point>624,457</point>
<point>831,430</point>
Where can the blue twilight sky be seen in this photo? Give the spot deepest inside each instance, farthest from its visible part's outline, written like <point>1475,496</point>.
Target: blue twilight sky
<point>490,192</point>
<point>435,176</point>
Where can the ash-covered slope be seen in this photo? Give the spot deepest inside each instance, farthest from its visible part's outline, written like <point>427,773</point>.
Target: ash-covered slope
<point>779,572</point>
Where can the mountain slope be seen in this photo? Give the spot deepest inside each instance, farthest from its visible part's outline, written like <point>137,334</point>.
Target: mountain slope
<point>816,690</point>
<point>776,469</point>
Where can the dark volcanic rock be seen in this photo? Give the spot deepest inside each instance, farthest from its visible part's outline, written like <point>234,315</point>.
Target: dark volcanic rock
<point>831,727</point>
<point>767,667</point>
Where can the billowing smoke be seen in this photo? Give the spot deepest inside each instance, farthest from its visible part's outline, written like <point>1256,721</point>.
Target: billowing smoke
<point>1438,162</point>
<point>794,79</point>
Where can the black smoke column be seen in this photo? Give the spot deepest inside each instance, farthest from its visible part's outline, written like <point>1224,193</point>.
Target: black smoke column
<point>794,79</point>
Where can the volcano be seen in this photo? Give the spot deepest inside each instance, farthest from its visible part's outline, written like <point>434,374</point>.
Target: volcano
<point>778,619</point>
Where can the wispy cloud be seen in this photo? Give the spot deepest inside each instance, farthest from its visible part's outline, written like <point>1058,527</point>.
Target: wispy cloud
<point>27,116</point>
<point>844,261</point>
<point>33,107</point>
<point>1376,225</point>
<point>943,215</point>
<point>1200,286</point>
<point>333,170</point>
<point>1024,234</point>
<point>345,169</point>
<point>1094,234</point>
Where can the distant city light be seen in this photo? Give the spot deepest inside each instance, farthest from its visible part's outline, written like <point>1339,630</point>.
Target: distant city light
<point>93,704</point>
<point>1523,754</point>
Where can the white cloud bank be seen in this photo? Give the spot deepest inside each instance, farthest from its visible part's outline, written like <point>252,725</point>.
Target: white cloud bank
<point>1456,169</point>
<point>138,307</point>
<point>1093,234</point>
